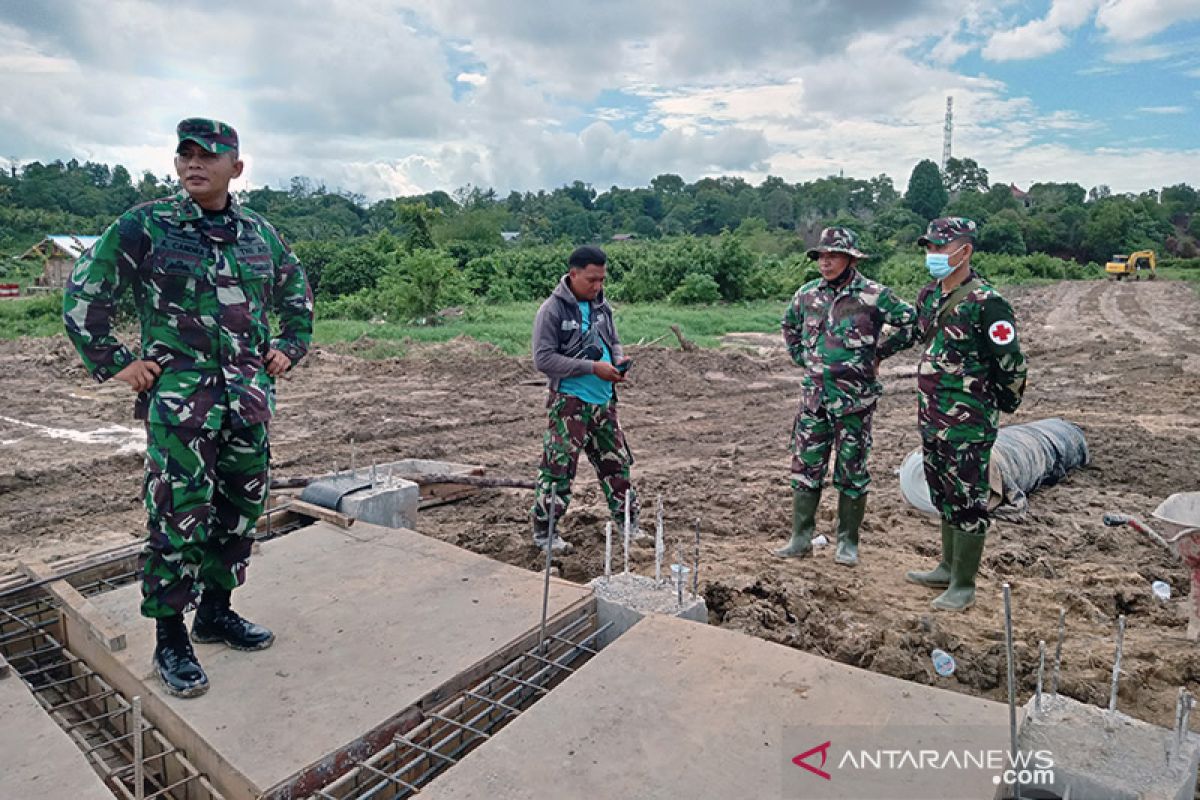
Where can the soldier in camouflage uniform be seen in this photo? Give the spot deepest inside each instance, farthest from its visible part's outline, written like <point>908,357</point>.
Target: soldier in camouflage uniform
<point>971,370</point>
<point>832,329</point>
<point>575,344</point>
<point>204,273</point>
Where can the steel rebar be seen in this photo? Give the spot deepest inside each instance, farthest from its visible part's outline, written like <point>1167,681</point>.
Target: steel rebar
<point>628,492</point>
<point>546,582</point>
<point>1062,629</point>
<point>608,551</point>
<point>1116,673</point>
<point>658,541</point>
<point>696,563</point>
<point>1037,703</point>
<point>1012,682</point>
<point>139,766</point>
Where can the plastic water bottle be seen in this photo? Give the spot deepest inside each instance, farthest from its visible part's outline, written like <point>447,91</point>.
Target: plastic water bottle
<point>943,663</point>
<point>1162,590</point>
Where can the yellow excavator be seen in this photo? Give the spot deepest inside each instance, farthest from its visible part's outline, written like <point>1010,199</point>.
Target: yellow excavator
<point>1143,261</point>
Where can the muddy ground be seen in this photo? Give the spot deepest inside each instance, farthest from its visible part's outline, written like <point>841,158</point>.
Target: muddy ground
<point>709,432</point>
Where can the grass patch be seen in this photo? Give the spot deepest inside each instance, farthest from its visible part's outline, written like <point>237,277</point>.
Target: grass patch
<point>509,326</point>
<point>38,315</point>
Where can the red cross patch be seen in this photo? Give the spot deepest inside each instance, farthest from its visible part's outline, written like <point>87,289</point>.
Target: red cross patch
<point>1002,332</point>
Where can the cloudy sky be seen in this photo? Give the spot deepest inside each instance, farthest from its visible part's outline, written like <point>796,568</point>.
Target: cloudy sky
<point>386,97</point>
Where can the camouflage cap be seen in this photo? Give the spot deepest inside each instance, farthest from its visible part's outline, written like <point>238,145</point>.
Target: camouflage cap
<point>837,240</point>
<point>947,229</point>
<point>212,135</point>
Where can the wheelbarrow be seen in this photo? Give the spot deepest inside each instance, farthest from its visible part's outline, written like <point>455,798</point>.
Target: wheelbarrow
<point>1180,517</point>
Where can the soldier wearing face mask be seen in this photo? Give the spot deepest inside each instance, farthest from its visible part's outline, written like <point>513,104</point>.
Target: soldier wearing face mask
<point>971,370</point>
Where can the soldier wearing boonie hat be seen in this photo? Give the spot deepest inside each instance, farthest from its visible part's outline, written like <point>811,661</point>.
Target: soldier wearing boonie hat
<point>832,330</point>
<point>206,273</point>
<point>971,370</point>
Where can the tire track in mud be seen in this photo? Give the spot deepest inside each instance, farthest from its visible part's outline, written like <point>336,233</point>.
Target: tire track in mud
<point>1126,318</point>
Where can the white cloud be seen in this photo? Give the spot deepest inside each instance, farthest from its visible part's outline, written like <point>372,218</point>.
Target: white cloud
<point>1132,20</point>
<point>1043,36</point>
<point>1142,52</point>
<point>369,96</point>
<point>1163,109</point>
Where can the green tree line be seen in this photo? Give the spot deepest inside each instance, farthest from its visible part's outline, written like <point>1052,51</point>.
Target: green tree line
<point>715,240</point>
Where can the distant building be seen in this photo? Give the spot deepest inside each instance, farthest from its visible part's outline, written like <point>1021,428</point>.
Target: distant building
<point>623,237</point>
<point>1021,197</point>
<point>510,236</point>
<point>57,254</point>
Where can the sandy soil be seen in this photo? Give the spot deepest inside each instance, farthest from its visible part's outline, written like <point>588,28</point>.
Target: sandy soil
<point>709,431</point>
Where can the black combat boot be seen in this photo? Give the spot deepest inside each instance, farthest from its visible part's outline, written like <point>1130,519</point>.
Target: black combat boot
<point>175,661</point>
<point>217,622</point>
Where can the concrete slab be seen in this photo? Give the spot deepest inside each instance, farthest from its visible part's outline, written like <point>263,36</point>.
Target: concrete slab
<point>38,758</point>
<point>677,709</point>
<point>372,625</point>
<point>1108,756</point>
<point>391,504</point>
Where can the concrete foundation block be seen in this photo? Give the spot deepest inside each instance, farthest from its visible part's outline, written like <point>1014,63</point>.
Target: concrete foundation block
<point>393,506</point>
<point>625,598</point>
<point>1108,756</point>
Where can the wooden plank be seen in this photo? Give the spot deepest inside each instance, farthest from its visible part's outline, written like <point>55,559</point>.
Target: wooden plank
<point>95,622</point>
<point>317,512</point>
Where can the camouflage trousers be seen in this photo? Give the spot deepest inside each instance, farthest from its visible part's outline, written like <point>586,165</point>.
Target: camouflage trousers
<point>957,474</point>
<point>575,426</point>
<point>816,433</point>
<point>204,491</point>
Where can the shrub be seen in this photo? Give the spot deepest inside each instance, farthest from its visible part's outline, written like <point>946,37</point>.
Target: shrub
<point>696,290</point>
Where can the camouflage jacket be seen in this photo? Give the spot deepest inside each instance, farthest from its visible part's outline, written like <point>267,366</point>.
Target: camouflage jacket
<point>202,286</point>
<point>972,367</point>
<point>834,333</point>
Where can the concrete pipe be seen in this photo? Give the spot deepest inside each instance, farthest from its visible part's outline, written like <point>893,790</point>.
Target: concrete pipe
<point>1024,457</point>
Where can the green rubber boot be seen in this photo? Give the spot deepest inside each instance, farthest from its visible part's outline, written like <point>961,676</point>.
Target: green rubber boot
<point>939,576</point>
<point>968,550</point>
<point>850,517</point>
<point>804,522</point>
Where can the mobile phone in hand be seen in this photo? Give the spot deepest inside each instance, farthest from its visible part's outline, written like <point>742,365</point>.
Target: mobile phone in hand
<point>624,366</point>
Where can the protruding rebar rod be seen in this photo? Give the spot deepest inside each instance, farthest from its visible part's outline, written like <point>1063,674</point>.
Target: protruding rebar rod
<point>678,570</point>
<point>1012,681</point>
<point>696,563</point>
<point>608,551</point>
<point>546,582</point>
<point>658,541</point>
<point>1062,630</point>
<point>1179,731</point>
<point>1116,674</point>
<point>628,492</point>
<point>139,764</point>
<point>1037,703</point>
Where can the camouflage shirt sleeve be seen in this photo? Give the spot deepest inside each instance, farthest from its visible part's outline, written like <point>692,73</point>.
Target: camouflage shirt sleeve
<point>793,324</point>
<point>90,297</point>
<point>903,319</point>
<point>999,329</point>
<point>292,300</point>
